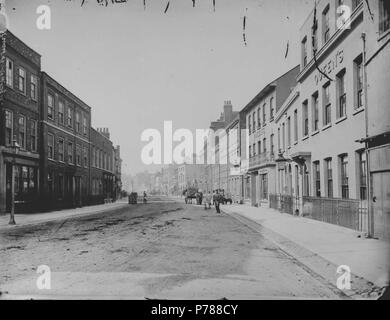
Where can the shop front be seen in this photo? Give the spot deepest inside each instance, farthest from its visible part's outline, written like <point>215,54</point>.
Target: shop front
<point>25,184</point>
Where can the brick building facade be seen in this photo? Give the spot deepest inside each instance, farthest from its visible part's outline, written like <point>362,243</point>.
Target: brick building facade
<point>65,136</point>
<point>54,163</point>
<point>103,177</point>
<point>19,124</point>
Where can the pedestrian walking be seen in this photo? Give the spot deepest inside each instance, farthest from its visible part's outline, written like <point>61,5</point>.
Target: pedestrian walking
<point>217,202</point>
<point>145,196</point>
<point>208,199</point>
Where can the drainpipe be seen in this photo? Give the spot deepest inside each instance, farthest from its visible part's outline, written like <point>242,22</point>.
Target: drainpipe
<point>368,176</point>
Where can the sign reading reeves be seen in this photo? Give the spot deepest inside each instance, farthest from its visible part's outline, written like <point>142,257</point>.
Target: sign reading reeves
<point>330,66</point>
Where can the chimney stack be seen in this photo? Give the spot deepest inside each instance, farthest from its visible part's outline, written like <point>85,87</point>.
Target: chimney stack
<point>105,132</point>
<point>228,111</point>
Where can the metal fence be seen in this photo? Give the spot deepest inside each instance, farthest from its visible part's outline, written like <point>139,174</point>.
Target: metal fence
<point>349,213</point>
<point>284,203</point>
<point>274,201</point>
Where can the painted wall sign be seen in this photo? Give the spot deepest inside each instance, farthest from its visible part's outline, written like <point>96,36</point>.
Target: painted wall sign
<point>329,67</point>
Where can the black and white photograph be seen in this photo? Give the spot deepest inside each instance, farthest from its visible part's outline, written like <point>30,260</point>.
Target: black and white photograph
<point>194,150</point>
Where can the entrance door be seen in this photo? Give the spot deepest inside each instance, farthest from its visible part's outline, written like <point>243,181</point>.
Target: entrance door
<point>8,187</point>
<point>78,191</point>
<point>253,189</point>
<point>381,204</point>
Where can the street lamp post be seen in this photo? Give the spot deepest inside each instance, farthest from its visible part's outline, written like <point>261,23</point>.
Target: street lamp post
<point>15,151</point>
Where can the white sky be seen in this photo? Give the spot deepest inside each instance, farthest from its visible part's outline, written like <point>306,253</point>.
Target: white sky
<point>137,68</point>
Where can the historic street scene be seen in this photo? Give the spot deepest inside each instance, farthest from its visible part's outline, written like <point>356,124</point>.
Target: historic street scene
<point>197,150</point>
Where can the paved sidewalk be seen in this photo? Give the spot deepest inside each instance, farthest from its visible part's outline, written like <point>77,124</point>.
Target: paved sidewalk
<point>367,258</point>
<point>36,218</point>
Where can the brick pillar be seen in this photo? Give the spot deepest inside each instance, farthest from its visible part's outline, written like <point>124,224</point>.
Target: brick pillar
<point>2,183</point>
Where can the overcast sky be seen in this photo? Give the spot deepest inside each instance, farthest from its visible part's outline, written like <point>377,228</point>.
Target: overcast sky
<point>137,68</point>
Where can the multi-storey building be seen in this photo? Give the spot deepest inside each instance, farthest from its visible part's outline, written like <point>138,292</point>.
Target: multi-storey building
<point>46,137</point>
<point>237,159</point>
<point>19,124</point>
<point>169,180</point>
<point>216,170</point>
<point>118,172</point>
<point>65,136</point>
<point>260,113</point>
<point>327,116</point>
<point>189,174</point>
<point>103,171</point>
<point>376,53</point>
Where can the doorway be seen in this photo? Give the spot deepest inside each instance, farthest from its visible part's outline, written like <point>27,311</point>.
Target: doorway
<point>380,183</point>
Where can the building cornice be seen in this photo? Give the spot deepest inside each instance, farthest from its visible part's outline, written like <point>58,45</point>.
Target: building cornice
<point>57,86</point>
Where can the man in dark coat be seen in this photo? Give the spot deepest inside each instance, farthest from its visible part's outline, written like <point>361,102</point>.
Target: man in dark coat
<point>217,201</point>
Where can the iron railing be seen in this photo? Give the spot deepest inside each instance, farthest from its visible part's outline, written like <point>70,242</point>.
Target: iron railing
<point>348,213</point>
<point>284,203</point>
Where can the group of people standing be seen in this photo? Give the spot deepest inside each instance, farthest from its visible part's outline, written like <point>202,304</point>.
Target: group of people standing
<point>216,198</point>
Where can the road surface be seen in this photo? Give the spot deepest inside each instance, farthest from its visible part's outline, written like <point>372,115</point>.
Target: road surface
<point>165,250</point>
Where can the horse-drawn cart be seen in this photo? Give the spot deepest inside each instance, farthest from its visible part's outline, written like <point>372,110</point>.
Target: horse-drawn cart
<point>191,194</point>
